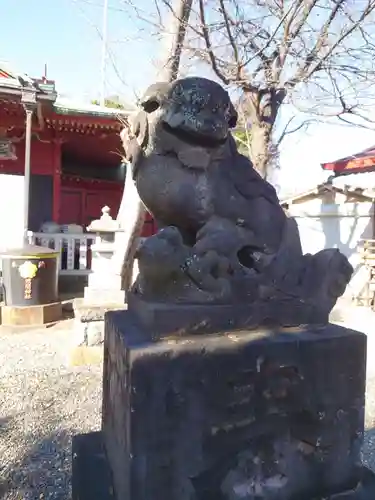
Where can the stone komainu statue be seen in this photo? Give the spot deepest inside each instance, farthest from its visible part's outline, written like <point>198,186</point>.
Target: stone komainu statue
<point>223,238</point>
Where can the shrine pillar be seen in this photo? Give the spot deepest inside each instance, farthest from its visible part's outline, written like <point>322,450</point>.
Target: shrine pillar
<point>56,169</point>
<point>29,103</point>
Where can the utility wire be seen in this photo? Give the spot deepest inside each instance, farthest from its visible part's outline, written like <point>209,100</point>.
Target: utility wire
<point>104,53</point>
<point>96,4</point>
<point>100,35</point>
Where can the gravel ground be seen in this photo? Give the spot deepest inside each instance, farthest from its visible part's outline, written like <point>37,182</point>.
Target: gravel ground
<point>362,319</point>
<point>43,402</point>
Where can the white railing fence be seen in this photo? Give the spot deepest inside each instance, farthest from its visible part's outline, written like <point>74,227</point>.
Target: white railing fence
<point>74,250</point>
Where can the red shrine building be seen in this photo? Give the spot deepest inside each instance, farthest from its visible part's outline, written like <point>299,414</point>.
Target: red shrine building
<point>356,163</point>
<point>75,154</point>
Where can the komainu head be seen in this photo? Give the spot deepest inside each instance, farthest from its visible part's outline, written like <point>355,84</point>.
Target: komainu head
<point>195,109</point>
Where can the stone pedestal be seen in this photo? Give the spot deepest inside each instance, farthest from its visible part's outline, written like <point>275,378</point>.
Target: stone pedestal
<point>104,282</point>
<point>89,321</point>
<point>103,292</point>
<point>266,415</point>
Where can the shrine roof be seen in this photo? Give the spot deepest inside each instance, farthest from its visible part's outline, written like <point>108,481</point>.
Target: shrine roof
<point>364,161</point>
<point>360,192</point>
<point>64,106</point>
<point>9,78</point>
<point>10,83</point>
<point>13,83</point>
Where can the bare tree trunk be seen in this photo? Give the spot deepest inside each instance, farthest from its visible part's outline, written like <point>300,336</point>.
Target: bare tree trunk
<point>261,108</point>
<point>261,147</point>
<point>179,23</point>
<point>136,213</point>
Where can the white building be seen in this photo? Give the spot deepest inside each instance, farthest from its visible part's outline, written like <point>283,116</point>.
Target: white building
<point>336,217</point>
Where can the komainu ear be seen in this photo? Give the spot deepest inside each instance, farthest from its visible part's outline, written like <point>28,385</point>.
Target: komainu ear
<point>139,128</point>
<point>153,96</point>
<point>233,116</point>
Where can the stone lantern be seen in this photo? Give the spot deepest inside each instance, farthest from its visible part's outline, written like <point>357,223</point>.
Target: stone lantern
<point>103,292</point>
<point>105,227</point>
<point>103,250</point>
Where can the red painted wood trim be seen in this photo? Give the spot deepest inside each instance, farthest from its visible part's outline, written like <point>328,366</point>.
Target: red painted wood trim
<point>85,119</point>
<point>74,181</point>
<point>56,181</point>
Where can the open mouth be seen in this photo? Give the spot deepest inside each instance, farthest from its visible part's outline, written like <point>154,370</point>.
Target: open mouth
<point>194,138</point>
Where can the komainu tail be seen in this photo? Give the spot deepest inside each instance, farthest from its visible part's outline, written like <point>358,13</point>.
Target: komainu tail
<point>131,216</point>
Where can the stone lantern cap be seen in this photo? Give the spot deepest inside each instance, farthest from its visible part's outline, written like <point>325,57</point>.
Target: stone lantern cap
<point>105,224</point>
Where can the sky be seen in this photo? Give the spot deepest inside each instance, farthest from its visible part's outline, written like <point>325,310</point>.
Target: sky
<point>67,36</point>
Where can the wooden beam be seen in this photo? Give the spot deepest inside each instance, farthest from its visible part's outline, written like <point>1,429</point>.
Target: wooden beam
<point>85,119</point>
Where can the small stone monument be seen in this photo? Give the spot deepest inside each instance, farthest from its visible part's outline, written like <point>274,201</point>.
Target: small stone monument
<point>103,292</point>
<point>223,380</point>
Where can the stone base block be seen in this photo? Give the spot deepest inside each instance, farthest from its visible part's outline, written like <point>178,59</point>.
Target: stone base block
<point>91,478</point>
<point>259,414</point>
<point>89,322</point>
<point>91,474</point>
<point>88,333</point>
<point>86,311</point>
<point>31,315</point>
<point>102,296</point>
<point>164,318</point>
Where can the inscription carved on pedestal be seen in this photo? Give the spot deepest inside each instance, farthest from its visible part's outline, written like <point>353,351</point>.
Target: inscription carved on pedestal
<point>210,418</point>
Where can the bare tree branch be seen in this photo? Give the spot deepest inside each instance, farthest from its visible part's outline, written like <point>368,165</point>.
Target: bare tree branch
<point>207,40</point>
<point>273,50</point>
<point>318,55</point>
<point>287,130</point>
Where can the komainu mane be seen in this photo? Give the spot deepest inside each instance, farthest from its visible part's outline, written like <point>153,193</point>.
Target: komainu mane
<point>223,237</point>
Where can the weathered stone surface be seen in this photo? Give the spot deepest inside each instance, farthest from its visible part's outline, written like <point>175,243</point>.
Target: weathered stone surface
<point>89,322</point>
<point>265,414</point>
<point>92,476</point>
<point>94,332</point>
<point>224,237</point>
<point>200,318</point>
<point>79,333</point>
<point>88,333</point>
<point>85,311</point>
